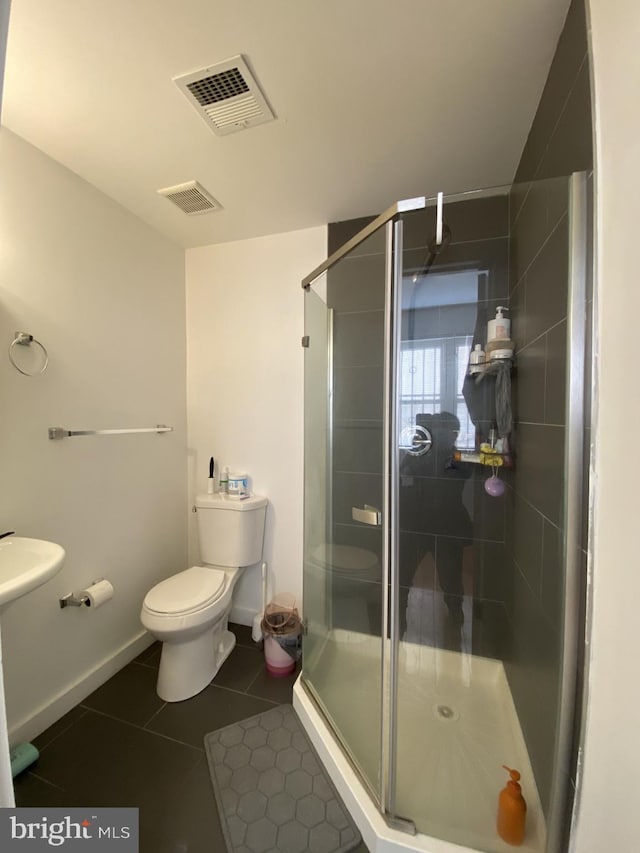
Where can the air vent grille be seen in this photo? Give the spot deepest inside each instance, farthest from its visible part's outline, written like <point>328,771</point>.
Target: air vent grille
<point>191,198</point>
<point>226,96</point>
<point>218,87</point>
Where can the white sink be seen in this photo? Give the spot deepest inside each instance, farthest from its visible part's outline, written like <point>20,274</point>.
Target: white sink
<point>26,564</point>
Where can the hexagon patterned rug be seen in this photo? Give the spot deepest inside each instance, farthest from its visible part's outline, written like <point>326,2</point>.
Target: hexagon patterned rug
<point>272,792</point>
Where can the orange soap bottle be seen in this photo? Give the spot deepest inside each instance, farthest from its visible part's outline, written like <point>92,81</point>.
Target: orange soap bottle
<point>512,810</point>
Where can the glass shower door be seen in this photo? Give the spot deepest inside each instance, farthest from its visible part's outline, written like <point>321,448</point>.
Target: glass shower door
<point>343,590</point>
<point>448,701</point>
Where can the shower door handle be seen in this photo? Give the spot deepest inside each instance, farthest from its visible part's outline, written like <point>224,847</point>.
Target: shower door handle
<point>367,515</point>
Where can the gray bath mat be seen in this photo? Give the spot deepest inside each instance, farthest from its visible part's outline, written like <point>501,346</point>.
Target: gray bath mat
<point>272,792</point>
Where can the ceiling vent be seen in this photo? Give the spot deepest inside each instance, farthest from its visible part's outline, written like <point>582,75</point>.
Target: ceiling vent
<point>192,198</point>
<point>226,96</point>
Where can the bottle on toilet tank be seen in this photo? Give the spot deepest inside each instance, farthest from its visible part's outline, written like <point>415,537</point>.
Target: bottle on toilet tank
<point>500,328</point>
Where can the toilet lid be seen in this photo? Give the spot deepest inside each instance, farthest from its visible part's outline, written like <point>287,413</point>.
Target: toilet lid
<point>187,591</point>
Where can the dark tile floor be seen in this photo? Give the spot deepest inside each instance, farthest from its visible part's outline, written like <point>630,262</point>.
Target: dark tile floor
<point>124,746</point>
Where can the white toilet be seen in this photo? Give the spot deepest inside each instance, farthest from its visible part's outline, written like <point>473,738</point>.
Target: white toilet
<point>189,611</point>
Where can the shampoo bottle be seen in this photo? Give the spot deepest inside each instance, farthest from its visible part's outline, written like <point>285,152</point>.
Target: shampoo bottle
<point>512,810</point>
<point>476,360</point>
<point>500,328</point>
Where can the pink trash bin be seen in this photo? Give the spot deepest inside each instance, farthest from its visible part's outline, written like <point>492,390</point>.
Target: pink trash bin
<point>281,630</point>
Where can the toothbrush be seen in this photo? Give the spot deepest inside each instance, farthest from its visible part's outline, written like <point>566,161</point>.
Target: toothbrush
<point>210,480</point>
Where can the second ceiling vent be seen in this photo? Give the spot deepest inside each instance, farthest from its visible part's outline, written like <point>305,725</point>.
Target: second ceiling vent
<point>191,198</point>
<point>226,96</point>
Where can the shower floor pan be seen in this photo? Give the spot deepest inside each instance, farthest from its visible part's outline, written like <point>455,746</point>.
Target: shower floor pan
<point>457,726</point>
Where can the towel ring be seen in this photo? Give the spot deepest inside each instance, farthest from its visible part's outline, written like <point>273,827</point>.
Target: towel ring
<point>24,339</point>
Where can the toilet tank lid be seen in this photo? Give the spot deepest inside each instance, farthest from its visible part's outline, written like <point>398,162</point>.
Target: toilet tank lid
<point>219,501</point>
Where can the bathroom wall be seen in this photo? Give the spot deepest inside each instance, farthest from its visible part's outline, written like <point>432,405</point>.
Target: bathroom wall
<point>245,387</point>
<point>558,144</point>
<point>105,294</point>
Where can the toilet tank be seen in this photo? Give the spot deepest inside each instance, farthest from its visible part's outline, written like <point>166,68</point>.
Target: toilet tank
<point>230,532</point>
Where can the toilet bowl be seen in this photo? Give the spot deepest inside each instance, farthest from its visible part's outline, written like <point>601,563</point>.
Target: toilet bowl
<point>189,611</point>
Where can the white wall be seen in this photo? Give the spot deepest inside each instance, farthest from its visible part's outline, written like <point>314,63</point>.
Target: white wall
<point>105,294</point>
<point>245,386</point>
<point>608,805</point>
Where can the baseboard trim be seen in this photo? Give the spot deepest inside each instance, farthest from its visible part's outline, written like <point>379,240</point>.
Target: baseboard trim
<point>59,705</point>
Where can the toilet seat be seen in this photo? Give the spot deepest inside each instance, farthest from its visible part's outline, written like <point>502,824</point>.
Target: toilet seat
<point>187,592</point>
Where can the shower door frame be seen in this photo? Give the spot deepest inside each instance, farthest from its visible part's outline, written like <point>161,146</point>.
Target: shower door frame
<point>385,797</point>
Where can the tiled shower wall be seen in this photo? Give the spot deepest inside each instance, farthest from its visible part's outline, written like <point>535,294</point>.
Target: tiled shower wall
<point>559,143</point>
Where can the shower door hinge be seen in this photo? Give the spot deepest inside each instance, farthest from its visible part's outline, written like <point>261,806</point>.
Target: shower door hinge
<point>305,341</point>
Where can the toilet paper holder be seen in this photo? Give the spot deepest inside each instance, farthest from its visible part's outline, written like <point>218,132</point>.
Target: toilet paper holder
<point>95,595</point>
<point>73,600</point>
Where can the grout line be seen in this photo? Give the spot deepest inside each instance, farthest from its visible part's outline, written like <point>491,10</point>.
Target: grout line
<point>255,678</point>
<point>542,334</point>
<point>46,781</point>
<point>65,729</point>
<point>564,216</point>
<point>155,714</point>
<point>243,693</point>
<point>142,729</point>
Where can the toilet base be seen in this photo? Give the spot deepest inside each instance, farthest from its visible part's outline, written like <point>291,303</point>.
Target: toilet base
<point>187,668</point>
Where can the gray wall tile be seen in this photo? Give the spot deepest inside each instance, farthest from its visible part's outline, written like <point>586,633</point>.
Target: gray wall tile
<point>546,285</point>
<point>556,374</point>
<point>527,543</point>
<point>539,468</point>
<point>569,151</point>
<point>529,231</point>
<point>529,382</point>
<point>492,582</point>
<point>357,446</point>
<point>358,393</point>
<point>358,338</point>
<point>533,669</point>
<point>357,284</point>
<point>552,575</point>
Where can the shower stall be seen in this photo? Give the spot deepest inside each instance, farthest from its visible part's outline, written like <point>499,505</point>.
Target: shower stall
<point>443,534</point>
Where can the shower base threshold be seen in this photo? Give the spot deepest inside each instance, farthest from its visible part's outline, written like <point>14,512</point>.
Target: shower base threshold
<point>457,726</point>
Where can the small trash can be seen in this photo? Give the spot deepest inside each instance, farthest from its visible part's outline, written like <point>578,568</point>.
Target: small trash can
<point>281,632</point>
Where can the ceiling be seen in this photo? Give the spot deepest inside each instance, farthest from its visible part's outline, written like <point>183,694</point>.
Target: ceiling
<point>374,101</point>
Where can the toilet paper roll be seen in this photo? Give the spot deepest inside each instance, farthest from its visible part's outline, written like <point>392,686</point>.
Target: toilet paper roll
<point>98,593</point>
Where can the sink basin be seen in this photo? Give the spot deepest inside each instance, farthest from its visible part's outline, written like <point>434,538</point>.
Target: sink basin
<point>26,564</point>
